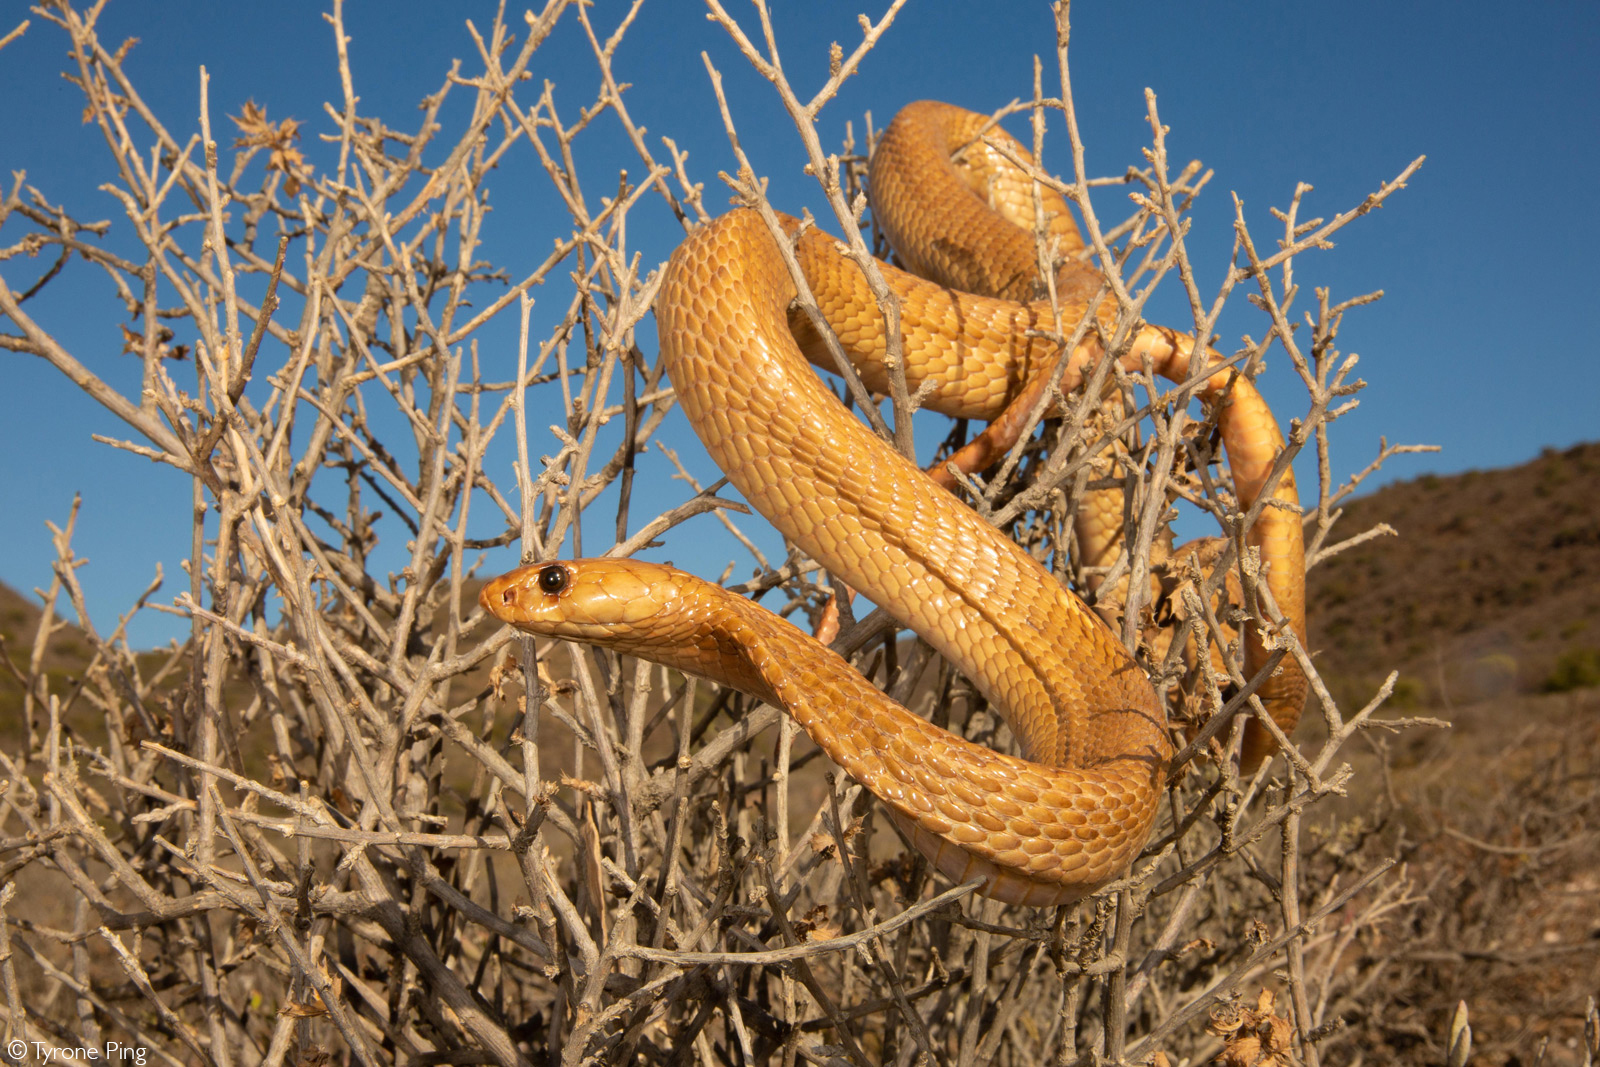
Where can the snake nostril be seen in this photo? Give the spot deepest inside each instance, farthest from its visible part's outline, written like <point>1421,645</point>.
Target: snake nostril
<point>507,596</point>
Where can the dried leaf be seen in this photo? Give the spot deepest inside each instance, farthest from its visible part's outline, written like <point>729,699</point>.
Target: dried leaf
<point>278,139</point>
<point>304,1009</point>
<point>1253,1037</point>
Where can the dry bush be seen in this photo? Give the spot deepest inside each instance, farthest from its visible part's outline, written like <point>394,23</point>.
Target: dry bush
<point>1497,822</point>
<point>331,823</point>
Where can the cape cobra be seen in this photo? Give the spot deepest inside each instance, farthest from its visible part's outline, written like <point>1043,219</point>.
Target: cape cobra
<point>1073,811</point>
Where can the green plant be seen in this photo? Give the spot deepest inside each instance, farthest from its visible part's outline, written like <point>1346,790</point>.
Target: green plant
<point>1576,668</point>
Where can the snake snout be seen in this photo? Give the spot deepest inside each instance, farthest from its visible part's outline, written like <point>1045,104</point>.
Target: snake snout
<point>499,598</point>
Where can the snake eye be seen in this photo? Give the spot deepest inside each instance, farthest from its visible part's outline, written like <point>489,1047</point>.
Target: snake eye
<point>553,579</point>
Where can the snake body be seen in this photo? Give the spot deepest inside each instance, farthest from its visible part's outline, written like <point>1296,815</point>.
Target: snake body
<point>1070,814</point>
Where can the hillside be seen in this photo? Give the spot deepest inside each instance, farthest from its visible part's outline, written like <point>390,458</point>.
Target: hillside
<point>68,653</point>
<point>1486,603</point>
<point>1491,587</point>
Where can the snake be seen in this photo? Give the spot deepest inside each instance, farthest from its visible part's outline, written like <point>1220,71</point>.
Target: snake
<point>1070,813</point>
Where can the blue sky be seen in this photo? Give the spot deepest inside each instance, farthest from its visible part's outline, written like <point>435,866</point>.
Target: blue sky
<point>1481,344</point>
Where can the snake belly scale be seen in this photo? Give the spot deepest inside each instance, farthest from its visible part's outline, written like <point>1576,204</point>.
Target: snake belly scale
<point>1047,828</point>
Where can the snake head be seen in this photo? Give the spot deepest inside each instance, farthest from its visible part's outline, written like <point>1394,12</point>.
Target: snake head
<point>599,601</point>
<point>645,609</point>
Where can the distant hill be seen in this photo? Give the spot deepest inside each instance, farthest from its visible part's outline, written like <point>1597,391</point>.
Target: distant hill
<point>67,655</point>
<point>1492,586</point>
<point>19,615</point>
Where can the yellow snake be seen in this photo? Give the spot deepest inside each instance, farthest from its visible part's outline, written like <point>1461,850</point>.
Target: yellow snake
<point>1072,813</point>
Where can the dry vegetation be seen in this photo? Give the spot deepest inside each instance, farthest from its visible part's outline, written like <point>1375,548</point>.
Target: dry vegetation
<point>330,824</point>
